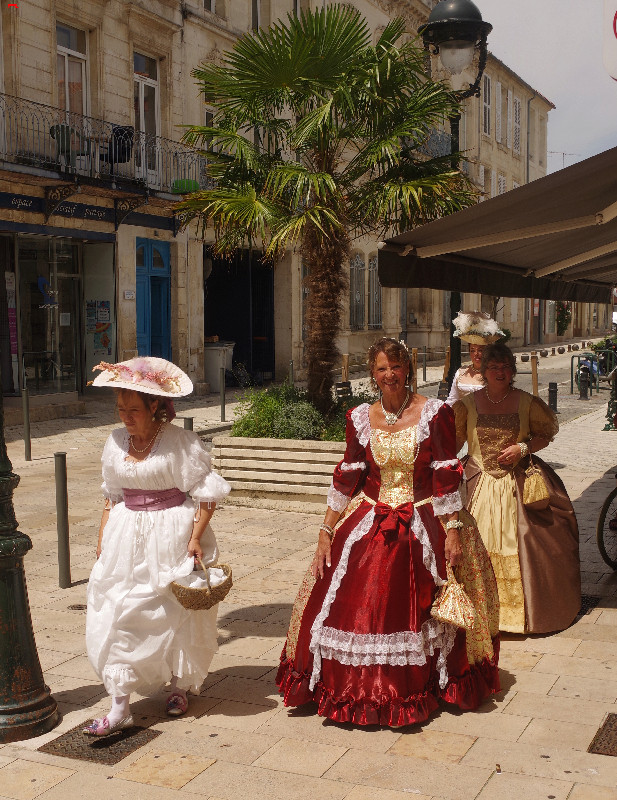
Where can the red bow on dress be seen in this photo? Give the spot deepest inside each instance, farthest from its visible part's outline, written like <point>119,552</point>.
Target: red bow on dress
<point>393,523</point>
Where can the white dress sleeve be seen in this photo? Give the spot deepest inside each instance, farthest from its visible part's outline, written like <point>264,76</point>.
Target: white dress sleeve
<point>455,393</point>
<point>192,468</point>
<point>111,486</point>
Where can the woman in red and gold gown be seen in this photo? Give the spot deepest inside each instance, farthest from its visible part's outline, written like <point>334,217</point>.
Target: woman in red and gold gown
<point>362,643</point>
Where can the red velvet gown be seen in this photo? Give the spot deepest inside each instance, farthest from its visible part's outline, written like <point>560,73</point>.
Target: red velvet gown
<point>362,643</point>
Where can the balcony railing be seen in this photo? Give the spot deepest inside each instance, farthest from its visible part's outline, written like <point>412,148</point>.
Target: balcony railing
<point>45,137</point>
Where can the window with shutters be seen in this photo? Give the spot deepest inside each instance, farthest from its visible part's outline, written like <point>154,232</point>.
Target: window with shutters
<point>486,106</point>
<point>501,184</point>
<point>481,181</point>
<point>356,292</point>
<point>498,111</point>
<point>493,183</point>
<point>374,294</point>
<point>509,119</point>
<point>517,126</point>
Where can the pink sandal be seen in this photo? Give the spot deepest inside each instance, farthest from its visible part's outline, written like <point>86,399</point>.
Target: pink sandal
<point>177,704</point>
<point>102,727</point>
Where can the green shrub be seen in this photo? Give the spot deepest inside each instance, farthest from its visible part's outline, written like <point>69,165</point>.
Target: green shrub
<point>298,421</point>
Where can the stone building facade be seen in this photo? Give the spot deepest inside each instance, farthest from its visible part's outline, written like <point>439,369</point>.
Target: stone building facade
<point>93,97</point>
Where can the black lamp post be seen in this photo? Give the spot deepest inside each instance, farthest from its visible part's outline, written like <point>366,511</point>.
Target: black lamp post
<point>27,708</point>
<point>455,30</point>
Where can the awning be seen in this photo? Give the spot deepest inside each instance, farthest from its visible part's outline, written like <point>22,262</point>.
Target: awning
<point>554,239</point>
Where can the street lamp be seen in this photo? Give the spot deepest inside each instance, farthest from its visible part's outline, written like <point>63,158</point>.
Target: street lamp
<point>455,30</point>
<point>27,708</point>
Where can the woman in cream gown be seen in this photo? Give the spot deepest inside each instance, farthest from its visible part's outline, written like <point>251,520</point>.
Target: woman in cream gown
<point>534,553</point>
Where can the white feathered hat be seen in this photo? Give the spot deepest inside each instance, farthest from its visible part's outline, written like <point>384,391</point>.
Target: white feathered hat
<point>476,327</point>
<point>146,374</point>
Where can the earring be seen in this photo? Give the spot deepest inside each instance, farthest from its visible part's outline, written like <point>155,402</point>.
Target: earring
<point>153,418</point>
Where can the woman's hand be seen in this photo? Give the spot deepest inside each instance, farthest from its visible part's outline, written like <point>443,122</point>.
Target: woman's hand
<point>322,557</point>
<point>509,456</point>
<point>194,548</point>
<point>98,551</point>
<point>454,551</point>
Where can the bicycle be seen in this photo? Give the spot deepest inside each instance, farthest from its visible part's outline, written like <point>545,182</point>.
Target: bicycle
<point>606,530</point>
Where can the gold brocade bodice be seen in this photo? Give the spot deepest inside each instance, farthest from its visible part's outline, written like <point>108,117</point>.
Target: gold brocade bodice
<point>395,454</point>
<point>495,432</point>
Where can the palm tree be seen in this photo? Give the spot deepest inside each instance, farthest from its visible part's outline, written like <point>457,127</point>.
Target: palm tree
<point>317,140</point>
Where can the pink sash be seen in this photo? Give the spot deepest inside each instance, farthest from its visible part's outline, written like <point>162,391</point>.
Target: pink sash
<point>152,500</point>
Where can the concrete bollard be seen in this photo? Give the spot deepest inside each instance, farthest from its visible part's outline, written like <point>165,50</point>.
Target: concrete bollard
<point>188,423</point>
<point>552,396</point>
<point>62,522</point>
<point>442,393</point>
<point>583,384</point>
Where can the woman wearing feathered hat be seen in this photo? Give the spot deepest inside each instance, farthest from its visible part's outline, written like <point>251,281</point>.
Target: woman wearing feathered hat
<point>160,494</point>
<point>477,329</point>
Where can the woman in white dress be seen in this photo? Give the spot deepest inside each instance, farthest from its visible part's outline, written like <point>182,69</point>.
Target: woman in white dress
<point>477,329</point>
<point>160,496</point>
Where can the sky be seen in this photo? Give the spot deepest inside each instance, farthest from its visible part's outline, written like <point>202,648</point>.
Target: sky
<point>556,47</point>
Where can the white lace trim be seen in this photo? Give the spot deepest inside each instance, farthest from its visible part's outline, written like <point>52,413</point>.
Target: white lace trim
<point>453,462</point>
<point>431,407</point>
<point>361,529</point>
<point>359,417</point>
<point>396,649</point>
<point>336,500</point>
<point>345,467</point>
<point>428,554</point>
<point>447,504</point>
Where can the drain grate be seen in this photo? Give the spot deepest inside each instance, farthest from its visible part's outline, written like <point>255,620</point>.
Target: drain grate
<point>588,603</point>
<point>103,750</point>
<point>604,743</point>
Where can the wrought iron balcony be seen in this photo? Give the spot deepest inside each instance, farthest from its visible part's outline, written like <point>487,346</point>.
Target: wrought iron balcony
<point>438,143</point>
<point>44,137</point>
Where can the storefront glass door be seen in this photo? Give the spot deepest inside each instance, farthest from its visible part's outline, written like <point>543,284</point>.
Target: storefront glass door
<point>48,308</point>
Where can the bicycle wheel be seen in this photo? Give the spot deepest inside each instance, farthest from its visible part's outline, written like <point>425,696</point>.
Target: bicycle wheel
<point>607,538</point>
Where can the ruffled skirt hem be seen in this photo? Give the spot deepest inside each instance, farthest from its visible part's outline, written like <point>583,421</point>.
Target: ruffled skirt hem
<point>466,691</point>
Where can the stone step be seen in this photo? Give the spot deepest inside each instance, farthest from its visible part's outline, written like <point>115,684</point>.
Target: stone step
<point>232,462</point>
<point>259,477</point>
<point>13,415</point>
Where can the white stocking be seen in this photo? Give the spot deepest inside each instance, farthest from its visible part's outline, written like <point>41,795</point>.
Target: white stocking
<point>119,708</point>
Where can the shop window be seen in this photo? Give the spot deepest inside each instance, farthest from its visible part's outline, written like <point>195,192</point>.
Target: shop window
<point>356,292</point>
<point>72,59</point>
<point>374,295</point>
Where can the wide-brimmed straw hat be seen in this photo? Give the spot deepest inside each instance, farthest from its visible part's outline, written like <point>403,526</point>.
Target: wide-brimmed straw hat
<point>476,327</point>
<point>146,374</point>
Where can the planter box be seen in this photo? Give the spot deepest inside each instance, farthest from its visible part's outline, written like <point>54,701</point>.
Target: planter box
<point>283,474</point>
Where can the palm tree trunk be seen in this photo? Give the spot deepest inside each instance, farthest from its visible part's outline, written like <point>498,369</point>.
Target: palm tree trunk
<point>326,282</point>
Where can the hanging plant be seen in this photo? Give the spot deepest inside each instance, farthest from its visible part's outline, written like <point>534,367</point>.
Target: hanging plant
<point>563,316</point>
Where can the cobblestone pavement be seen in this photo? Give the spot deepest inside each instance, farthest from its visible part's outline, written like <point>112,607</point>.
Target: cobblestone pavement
<point>237,741</point>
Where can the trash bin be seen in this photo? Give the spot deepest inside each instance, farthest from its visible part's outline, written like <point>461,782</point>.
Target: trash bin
<point>217,355</point>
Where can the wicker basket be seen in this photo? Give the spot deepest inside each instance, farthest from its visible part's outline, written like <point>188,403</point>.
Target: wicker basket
<point>206,597</point>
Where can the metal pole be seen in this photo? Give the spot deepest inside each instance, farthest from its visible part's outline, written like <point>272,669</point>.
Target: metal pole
<point>62,522</point>
<point>291,373</point>
<point>27,708</point>
<point>25,397</point>
<point>222,388</point>
<point>534,373</point>
<point>188,423</point>
<point>552,396</point>
<point>424,364</point>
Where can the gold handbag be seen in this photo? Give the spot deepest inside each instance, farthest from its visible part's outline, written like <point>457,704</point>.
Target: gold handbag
<point>452,605</point>
<point>535,492</point>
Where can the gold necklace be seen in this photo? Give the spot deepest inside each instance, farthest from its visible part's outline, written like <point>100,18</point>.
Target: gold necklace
<point>496,402</point>
<point>391,417</point>
<point>136,449</point>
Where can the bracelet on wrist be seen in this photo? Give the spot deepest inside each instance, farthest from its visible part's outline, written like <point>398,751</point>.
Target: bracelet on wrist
<point>453,524</point>
<point>327,529</point>
<point>524,448</point>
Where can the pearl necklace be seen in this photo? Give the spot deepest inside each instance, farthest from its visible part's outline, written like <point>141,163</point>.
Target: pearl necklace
<point>143,450</point>
<point>496,402</point>
<point>392,417</point>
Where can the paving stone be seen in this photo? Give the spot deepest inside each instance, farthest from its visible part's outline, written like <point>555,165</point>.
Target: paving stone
<point>565,709</point>
<point>581,791</point>
<point>575,666</point>
<point>371,793</point>
<point>586,688</point>
<point>227,782</point>
<point>246,717</point>
<point>292,755</point>
<point>410,775</point>
<point>546,732</point>
<point>25,780</point>
<point>433,745</point>
<point>168,769</point>
<point>209,741</point>
<point>503,785</point>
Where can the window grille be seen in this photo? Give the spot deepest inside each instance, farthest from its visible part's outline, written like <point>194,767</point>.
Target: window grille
<point>498,112</point>
<point>356,292</point>
<point>486,106</point>
<point>517,125</point>
<point>374,295</point>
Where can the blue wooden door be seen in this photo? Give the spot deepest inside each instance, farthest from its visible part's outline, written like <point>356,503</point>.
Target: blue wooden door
<point>153,311</point>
